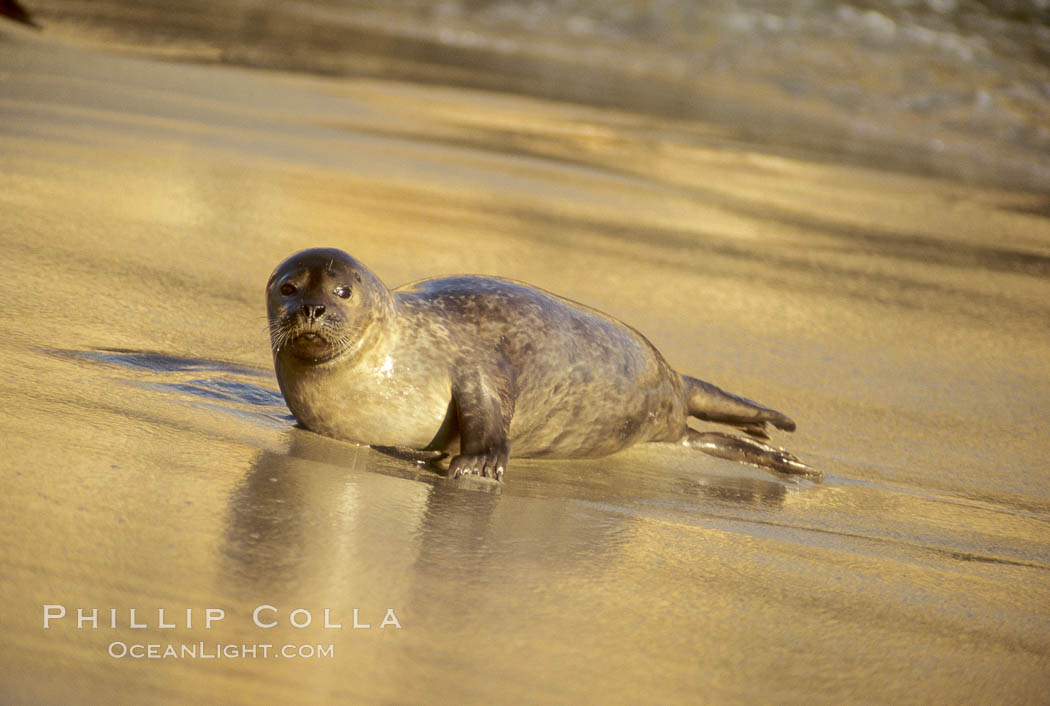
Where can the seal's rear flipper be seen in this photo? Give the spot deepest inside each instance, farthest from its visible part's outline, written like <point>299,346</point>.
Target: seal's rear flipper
<point>713,404</point>
<point>749,451</point>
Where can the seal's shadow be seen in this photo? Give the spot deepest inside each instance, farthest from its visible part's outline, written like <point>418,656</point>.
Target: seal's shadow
<point>217,386</point>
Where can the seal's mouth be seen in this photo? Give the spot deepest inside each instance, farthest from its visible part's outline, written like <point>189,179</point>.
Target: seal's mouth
<point>310,340</point>
<point>304,339</point>
<point>311,345</point>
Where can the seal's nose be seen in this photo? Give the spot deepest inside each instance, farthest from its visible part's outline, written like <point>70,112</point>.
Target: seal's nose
<point>312,312</point>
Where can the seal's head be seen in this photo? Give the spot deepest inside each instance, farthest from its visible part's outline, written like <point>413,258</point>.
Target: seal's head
<point>322,304</point>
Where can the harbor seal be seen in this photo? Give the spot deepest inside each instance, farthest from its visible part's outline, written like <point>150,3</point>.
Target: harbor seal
<point>477,368</point>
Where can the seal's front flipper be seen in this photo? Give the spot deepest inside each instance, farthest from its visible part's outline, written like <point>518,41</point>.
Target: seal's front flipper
<point>749,451</point>
<point>713,404</point>
<point>491,465</point>
<point>484,405</point>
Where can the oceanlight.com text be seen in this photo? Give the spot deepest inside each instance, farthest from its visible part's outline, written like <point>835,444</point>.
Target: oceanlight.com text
<point>212,650</point>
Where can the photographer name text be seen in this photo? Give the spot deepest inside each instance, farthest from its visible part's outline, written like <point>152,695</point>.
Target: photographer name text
<point>264,616</point>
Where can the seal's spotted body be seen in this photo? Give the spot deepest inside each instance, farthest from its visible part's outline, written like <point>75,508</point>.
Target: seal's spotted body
<point>479,367</point>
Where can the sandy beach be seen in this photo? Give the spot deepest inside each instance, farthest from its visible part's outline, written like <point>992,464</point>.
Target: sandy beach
<point>149,461</point>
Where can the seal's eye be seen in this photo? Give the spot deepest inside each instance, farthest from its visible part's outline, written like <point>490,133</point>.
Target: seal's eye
<point>342,292</point>
<point>288,289</point>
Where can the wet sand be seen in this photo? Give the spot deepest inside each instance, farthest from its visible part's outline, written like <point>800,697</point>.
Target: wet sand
<point>149,461</point>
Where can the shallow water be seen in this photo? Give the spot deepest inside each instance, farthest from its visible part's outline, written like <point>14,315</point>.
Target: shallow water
<point>958,88</point>
<point>149,462</point>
